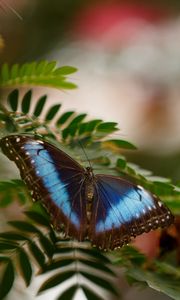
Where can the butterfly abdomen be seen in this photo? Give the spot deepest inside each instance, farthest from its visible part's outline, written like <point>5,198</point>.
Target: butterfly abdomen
<point>89,193</point>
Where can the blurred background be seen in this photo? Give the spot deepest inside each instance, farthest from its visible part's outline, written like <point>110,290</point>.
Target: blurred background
<point>128,56</point>
<point>127,53</point>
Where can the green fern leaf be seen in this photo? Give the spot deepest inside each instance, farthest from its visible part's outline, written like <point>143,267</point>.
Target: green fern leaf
<point>96,254</point>
<point>88,127</point>
<point>69,293</point>
<point>121,163</point>
<point>22,197</point>
<point>23,70</point>
<point>24,226</point>
<point>55,280</point>
<point>64,117</point>
<point>63,250</point>
<point>43,220</point>
<point>26,102</point>
<point>72,128</point>
<point>13,99</point>
<point>6,246</point>
<point>108,127</point>
<point>10,190</point>
<point>38,218</point>
<point>97,265</point>
<point>78,119</point>
<point>90,294</point>
<point>27,227</point>
<point>66,70</point>
<point>25,266</point>
<point>5,72</point>
<point>50,66</point>
<point>11,235</point>
<point>101,282</point>
<point>14,71</point>
<point>52,112</point>
<point>129,255</point>
<point>119,144</point>
<point>46,244</point>
<point>40,67</point>
<point>37,254</point>
<point>6,200</point>
<point>39,106</point>
<point>7,278</point>
<point>31,69</point>
<point>42,73</point>
<point>58,263</point>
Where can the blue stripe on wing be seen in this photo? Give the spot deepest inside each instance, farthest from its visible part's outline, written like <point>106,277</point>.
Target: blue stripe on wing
<point>123,207</point>
<point>121,203</point>
<point>46,170</point>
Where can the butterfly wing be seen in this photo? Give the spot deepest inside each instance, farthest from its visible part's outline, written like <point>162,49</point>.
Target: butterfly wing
<point>52,177</point>
<point>122,210</point>
<point>119,211</point>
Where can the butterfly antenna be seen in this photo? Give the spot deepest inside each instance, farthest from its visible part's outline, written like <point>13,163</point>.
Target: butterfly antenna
<point>85,154</point>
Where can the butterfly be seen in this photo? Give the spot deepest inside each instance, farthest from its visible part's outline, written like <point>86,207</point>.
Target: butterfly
<point>107,210</point>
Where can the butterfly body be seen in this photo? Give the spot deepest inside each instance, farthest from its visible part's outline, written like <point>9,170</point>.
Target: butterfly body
<point>104,209</point>
<point>89,183</point>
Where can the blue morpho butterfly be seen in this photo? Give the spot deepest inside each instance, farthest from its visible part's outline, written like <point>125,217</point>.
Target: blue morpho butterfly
<point>107,210</point>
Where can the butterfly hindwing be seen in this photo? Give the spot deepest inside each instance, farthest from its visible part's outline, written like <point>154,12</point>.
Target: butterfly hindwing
<point>52,177</point>
<point>122,210</point>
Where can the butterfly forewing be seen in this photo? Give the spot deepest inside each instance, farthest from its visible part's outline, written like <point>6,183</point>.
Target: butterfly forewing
<point>122,210</point>
<point>52,177</point>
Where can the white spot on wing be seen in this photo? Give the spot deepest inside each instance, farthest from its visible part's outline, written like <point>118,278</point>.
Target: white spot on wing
<point>18,139</point>
<point>39,142</point>
<point>159,203</point>
<point>140,187</point>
